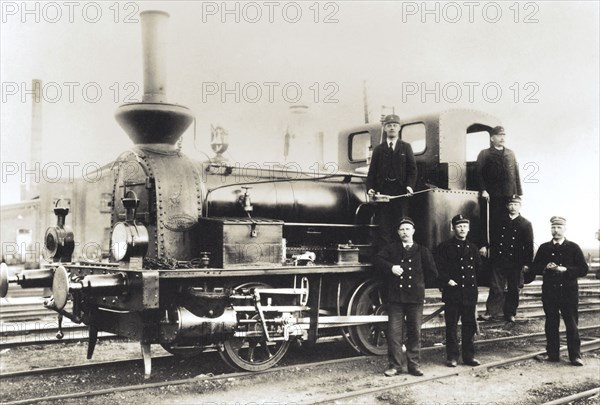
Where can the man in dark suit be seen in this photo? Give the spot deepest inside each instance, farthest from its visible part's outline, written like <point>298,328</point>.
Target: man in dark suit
<point>511,253</point>
<point>393,171</point>
<point>458,262</point>
<point>407,267</point>
<point>561,262</point>
<point>498,174</point>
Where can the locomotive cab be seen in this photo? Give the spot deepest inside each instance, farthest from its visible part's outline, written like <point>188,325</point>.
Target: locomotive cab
<point>445,147</point>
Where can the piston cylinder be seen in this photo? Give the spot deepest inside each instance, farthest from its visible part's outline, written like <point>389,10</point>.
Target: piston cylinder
<point>181,325</point>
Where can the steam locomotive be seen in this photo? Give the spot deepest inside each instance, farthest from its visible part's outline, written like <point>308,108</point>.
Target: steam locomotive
<point>206,254</point>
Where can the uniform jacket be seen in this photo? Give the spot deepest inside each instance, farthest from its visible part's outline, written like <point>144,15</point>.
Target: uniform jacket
<point>512,241</point>
<point>498,172</point>
<point>403,162</point>
<point>419,269</point>
<point>559,285</point>
<point>459,261</point>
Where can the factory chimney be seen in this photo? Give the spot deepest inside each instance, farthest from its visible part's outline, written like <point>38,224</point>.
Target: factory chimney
<point>31,189</point>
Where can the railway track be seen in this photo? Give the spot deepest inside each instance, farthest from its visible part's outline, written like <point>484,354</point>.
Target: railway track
<point>593,393</point>
<point>43,331</point>
<point>45,334</point>
<point>586,346</point>
<point>592,345</point>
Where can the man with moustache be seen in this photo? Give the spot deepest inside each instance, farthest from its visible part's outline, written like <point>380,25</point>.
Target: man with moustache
<point>561,262</point>
<point>511,254</point>
<point>498,174</point>
<point>393,171</point>
<point>407,268</point>
<point>458,262</point>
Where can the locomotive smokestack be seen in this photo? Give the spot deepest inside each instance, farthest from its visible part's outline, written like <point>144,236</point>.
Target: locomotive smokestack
<point>155,62</point>
<point>154,121</point>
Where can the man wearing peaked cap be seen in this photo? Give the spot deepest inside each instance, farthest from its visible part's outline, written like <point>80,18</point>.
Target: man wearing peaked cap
<point>511,253</point>
<point>561,262</point>
<point>393,171</point>
<point>458,262</point>
<point>407,267</point>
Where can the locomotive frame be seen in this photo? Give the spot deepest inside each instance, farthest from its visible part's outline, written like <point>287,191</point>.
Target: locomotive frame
<point>201,259</point>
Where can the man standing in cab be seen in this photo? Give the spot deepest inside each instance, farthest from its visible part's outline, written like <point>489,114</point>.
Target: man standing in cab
<point>393,171</point>
<point>458,262</point>
<point>561,262</point>
<point>498,174</point>
<point>407,268</point>
<point>511,254</point>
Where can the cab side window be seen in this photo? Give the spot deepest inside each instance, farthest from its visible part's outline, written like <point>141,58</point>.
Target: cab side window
<point>414,134</point>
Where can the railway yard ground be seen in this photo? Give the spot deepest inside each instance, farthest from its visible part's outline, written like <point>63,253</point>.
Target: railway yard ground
<point>331,372</point>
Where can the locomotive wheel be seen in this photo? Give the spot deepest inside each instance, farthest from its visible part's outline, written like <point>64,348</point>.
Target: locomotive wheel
<point>367,300</point>
<point>252,353</point>
<point>182,352</point>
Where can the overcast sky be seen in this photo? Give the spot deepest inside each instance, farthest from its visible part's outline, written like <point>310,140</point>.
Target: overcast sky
<point>534,65</point>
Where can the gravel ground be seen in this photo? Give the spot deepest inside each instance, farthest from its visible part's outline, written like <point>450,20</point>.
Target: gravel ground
<point>529,382</point>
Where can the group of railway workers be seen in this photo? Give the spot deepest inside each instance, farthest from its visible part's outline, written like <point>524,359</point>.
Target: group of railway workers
<point>455,263</point>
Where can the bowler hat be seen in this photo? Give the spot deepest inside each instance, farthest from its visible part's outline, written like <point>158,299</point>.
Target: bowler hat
<point>459,219</point>
<point>390,119</point>
<point>556,220</point>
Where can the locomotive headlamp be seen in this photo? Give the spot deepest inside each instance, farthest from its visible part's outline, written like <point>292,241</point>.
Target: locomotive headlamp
<point>129,239</point>
<point>59,241</point>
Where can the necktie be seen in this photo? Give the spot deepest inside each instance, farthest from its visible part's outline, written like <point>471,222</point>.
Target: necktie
<point>392,145</point>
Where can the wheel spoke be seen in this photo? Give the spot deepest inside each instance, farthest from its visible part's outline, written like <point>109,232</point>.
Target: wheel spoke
<point>267,351</point>
<point>368,301</point>
<point>246,356</point>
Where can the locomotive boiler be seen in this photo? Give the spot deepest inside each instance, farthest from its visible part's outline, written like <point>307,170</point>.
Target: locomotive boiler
<point>246,259</point>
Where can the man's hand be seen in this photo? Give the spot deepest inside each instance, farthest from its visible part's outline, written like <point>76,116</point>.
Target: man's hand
<point>560,269</point>
<point>452,283</point>
<point>525,269</point>
<point>410,190</point>
<point>483,252</point>
<point>485,195</point>
<point>397,270</point>
<point>551,266</point>
<point>371,192</point>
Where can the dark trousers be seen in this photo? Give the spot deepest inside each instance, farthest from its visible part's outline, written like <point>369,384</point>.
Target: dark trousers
<point>557,305</point>
<point>404,317</point>
<point>389,214</point>
<point>452,314</point>
<point>504,274</point>
<point>497,210</point>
